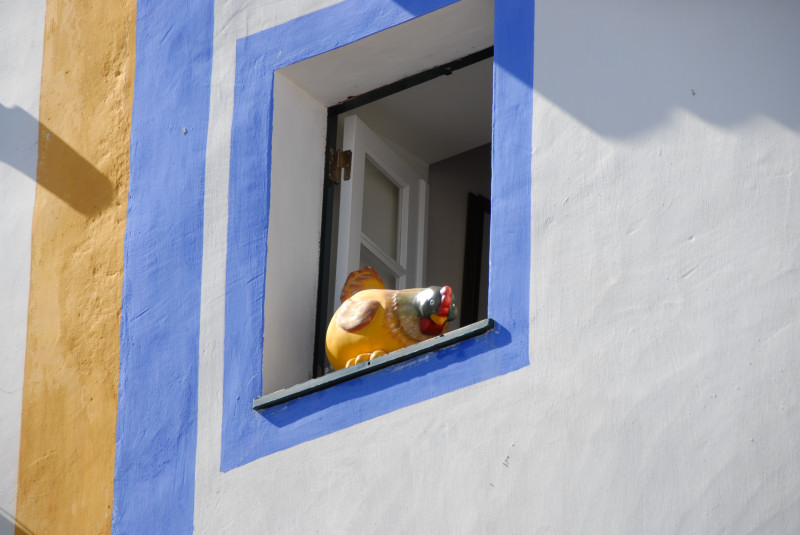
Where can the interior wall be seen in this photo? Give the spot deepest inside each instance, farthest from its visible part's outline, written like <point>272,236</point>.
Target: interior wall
<point>450,181</point>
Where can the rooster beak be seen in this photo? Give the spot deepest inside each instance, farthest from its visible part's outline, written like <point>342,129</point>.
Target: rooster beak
<point>437,319</point>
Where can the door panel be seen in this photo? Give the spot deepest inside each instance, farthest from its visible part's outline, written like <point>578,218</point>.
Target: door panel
<point>380,218</point>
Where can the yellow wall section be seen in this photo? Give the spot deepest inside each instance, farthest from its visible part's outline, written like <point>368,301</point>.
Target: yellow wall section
<point>66,467</point>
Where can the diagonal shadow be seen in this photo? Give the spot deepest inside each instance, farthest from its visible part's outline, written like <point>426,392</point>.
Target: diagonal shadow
<point>63,172</point>
<point>623,70</point>
<point>8,524</point>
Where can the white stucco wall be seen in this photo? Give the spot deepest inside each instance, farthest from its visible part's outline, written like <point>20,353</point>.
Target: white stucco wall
<point>665,267</point>
<point>661,395</point>
<point>21,41</point>
<point>665,306</point>
<point>232,20</point>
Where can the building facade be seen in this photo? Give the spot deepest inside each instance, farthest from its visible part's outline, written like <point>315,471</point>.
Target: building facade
<point>163,221</point>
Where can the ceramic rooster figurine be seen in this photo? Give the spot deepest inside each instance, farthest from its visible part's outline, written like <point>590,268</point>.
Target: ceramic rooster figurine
<point>373,321</point>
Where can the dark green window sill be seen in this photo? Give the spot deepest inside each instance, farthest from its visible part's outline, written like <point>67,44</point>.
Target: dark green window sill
<point>390,359</point>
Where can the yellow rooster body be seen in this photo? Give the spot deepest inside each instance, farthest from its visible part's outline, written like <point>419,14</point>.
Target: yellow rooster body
<point>373,321</point>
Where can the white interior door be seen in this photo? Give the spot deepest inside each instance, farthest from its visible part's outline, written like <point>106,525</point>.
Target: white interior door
<point>382,211</point>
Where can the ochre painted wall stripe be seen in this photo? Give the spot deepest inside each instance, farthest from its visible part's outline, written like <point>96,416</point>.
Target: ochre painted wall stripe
<point>66,466</point>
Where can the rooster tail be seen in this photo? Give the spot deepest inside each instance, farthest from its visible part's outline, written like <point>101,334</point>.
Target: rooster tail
<point>365,278</point>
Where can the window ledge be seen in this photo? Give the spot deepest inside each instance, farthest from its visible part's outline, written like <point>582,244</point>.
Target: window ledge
<point>395,357</point>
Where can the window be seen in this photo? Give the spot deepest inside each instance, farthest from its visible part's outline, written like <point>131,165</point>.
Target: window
<point>256,139</point>
<point>401,124</point>
<point>429,144</point>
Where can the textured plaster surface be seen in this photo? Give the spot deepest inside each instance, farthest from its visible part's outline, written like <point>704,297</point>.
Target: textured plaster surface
<point>661,396</point>
<point>217,485</point>
<point>158,345</point>
<point>21,37</point>
<point>232,20</point>
<point>665,327</point>
<point>666,271</point>
<point>70,390</point>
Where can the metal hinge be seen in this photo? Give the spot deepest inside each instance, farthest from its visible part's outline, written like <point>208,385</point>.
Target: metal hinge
<point>339,162</point>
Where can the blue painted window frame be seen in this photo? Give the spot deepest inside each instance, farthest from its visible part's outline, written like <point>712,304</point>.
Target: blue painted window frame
<point>248,434</point>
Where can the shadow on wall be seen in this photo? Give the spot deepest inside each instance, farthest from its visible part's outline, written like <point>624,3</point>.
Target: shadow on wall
<point>725,62</point>
<point>515,63</point>
<point>8,525</point>
<point>76,181</point>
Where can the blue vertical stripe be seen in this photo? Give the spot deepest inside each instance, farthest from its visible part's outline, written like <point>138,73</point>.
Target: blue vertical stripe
<point>157,408</point>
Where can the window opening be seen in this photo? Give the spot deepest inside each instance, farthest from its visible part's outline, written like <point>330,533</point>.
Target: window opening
<point>415,235</point>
